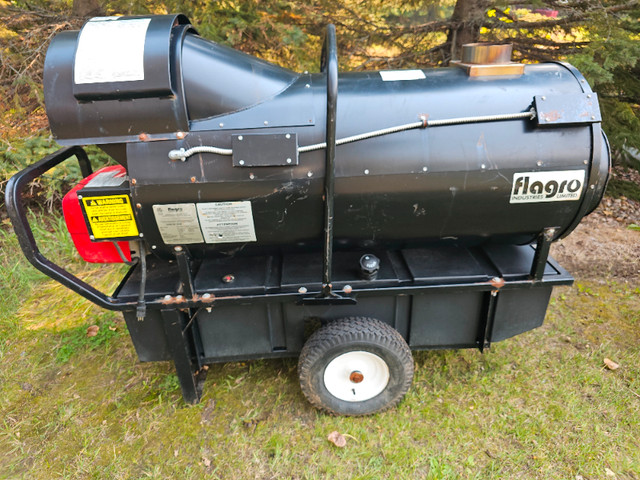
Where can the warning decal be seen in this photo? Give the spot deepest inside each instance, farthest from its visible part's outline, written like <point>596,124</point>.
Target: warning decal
<point>226,222</point>
<point>110,217</point>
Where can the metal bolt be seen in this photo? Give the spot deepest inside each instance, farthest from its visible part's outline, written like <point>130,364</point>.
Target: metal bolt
<point>92,237</point>
<point>179,297</point>
<point>229,278</point>
<point>307,86</point>
<point>586,162</point>
<point>306,72</point>
<point>589,95</point>
<point>302,290</point>
<point>547,119</point>
<point>79,197</point>
<point>309,174</point>
<point>251,176</point>
<point>543,98</point>
<point>221,124</point>
<point>167,297</point>
<point>138,205</point>
<point>153,247</point>
<point>424,169</point>
<point>206,295</point>
<point>289,160</point>
<point>483,166</point>
<point>592,187</point>
<point>177,248</point>
<point>366,172</point>
<point>241,162</point>
<point>495,279</point>
<point>593,117</point>
<point>209,311</point>
<point>143,137</point>
<point>133,181</point>
<point>193,179</point>
<point>266,122</point>
<point>539,163</point>
<point>347,289</point>
<point>141,235</point>
<point>582,81</point>
<point>180,135</point>
<point>287,136</point>
<point>240,137</point>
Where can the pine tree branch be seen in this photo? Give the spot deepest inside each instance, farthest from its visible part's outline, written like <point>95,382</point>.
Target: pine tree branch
<point>568,20</point>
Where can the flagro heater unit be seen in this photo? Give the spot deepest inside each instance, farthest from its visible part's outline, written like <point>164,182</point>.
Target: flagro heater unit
<point>345,218</point>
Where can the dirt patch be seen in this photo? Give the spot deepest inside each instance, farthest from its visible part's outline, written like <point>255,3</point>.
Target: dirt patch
<point>604,244</point>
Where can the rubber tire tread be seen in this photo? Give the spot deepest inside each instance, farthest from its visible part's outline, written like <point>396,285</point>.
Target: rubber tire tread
<point>352,334</point>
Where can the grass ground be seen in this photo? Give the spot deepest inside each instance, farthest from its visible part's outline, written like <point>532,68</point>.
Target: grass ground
<point>538,406</point>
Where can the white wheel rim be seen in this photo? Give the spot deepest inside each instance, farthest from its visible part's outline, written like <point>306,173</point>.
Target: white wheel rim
<point>356,376</point>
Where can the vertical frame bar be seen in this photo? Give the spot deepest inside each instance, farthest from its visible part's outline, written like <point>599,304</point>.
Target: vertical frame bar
<point>191,380</point>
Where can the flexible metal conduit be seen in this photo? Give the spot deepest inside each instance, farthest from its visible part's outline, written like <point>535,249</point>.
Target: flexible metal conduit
<point>182,154</point>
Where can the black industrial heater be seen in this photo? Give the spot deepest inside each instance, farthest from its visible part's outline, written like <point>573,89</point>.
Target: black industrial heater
<point>345,218</point>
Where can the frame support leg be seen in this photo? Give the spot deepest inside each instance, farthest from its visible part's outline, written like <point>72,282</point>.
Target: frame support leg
<point>184,268</point>
<point>542,253</point>
<point>191,380</point>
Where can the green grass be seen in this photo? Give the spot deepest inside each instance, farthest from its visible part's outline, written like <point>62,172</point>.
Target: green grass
<point>540,405</point>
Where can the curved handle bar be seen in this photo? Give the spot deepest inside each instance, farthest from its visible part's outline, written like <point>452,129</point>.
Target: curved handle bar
<point>16,210</point>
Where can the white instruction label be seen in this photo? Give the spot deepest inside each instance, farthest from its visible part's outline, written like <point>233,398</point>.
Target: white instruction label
<point>395,75</point>
<point>226,222</point>
<point>560,186</point>
<point>111,50</point>
<point>178,223</point>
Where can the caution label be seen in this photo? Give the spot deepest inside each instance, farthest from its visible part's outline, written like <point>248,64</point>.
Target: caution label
<point>110,217</point>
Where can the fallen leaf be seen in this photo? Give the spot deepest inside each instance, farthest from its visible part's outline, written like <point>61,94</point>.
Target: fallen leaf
<point>112,328</point>
<point>609,473</point>
<point>337,439</point>
<point>206,461</point>
<point>610,364</point>
<point>92,331</point>
<point>175,453</point>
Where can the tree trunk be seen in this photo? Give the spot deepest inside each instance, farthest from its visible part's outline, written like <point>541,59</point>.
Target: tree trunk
<point>87,8</point>
<point>466,21</point>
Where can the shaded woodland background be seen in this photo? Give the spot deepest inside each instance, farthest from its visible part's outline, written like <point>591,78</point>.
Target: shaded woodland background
<point>602,38</point>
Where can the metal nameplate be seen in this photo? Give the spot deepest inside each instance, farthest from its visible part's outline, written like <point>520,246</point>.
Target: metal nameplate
<point>567,109</point>
<point>265,150</point>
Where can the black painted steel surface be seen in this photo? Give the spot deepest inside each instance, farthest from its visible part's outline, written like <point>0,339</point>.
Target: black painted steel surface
<point>450,184</point>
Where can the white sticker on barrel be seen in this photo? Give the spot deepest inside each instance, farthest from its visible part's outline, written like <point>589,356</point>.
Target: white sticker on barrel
<point>559,186</point>
<point>111,50</point>
<point>395,75</point>
<point>178,223</point>
<point>226,222</point>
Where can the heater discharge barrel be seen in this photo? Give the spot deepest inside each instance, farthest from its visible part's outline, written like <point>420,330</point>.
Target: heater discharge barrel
<point>523,152</point>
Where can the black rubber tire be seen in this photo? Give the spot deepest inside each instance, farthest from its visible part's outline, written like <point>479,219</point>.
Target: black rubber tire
<point>355,334</point>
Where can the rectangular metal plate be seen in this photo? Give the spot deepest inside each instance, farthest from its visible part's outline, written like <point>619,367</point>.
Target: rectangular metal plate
<point>265,150</point>
<point>567,109</point>
<point>497,70</point>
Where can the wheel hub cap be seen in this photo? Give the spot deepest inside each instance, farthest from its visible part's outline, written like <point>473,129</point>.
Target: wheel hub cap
<point>356,376</point>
